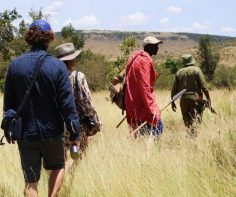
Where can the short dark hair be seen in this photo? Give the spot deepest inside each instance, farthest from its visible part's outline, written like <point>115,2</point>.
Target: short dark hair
<point>36,38</point>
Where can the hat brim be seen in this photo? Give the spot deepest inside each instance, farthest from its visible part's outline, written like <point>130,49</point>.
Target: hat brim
<point>72,56</point>
<point>157,42</point>
<point>191,63</point>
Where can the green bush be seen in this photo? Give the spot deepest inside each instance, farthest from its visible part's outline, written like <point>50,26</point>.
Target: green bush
<point>173,64</point>
<point>225,77</point>
<point>165,79</point>
<point>94,66</point>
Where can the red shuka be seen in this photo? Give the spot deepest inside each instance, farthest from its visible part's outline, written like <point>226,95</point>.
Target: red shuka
<point>140,101</point>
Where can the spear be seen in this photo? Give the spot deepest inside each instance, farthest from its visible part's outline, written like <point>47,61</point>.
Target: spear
<point>174,98</point>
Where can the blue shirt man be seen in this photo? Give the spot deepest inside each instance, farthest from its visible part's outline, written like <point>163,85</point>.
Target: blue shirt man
<point>50,104</point>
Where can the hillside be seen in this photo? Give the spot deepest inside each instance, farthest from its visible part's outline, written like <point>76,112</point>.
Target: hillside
<point>174,44</point>
<point>107,42</point>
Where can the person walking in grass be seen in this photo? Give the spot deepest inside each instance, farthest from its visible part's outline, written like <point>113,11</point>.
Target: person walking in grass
<point>50,104</point>
<point>190,78</point>
<point>89,120</point>
<point>140,100</point>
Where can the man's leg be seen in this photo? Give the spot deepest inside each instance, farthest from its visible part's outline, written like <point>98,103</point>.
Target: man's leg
<point>31,165</point>
<point>54,160</point>
<point>189,115</point>
<point>55,182</point>
<point>31,190</point>
<point>184,106</point>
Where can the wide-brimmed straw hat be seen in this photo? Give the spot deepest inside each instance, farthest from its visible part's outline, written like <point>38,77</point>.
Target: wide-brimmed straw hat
<point>66,52</point>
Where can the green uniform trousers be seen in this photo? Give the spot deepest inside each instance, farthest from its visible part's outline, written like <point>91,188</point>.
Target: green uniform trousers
<point>191,111</point>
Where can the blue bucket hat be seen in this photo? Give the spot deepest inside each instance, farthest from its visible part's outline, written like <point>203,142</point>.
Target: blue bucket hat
<point>43,25</point>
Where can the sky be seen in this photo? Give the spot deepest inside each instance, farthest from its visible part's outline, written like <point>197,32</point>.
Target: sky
<point>196,16</point>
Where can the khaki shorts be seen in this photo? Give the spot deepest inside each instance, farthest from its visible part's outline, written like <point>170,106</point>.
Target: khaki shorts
<point>32,153</point>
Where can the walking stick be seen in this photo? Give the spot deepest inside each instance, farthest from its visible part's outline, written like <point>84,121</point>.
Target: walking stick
<point>175,97</point>
<point>123,119</point>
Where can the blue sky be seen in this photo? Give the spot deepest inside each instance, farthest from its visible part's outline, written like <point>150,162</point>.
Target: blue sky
<point>197,16</point>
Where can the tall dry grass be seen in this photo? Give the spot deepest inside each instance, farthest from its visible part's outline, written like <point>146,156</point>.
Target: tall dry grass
<point>170,166</point>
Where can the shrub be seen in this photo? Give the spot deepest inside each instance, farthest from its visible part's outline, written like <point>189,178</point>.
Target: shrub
<point>225,77</point>
<point>173,64</point>
<point>165,79</point>
<point>94,66</point>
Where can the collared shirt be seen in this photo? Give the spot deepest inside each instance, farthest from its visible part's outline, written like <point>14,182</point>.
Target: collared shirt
<point>140,100</point>
<point>83,99</point>
<point>190,78</point>
<point>51,101</point>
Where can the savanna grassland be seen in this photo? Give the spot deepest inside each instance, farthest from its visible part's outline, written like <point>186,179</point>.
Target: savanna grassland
<point>173,165</point>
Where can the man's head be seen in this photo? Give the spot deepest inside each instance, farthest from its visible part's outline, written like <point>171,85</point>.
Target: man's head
<point>151,45</point>
<point>188,60</point>
<point>67,53</point>
<point>39,34</point>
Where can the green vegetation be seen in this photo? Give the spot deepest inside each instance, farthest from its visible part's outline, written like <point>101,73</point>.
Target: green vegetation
<point>225,77</point>
<point>94,66</point>
<point>114,67</point>
<point>99,70</point>
<point>69,33</point>
<point>208,57</point>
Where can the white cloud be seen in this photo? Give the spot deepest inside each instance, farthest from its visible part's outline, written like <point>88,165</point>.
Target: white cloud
<point>196,27</point>
<point>132,22</point>
<point>55,24</point>
<point>227,29</point>
<point>164,21</point>
<point>87,22</point>
<point>174,9</point>
<point>135,19</point>
<point>53,9</point>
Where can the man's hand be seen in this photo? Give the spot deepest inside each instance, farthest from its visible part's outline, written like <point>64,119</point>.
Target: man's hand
<point>173,106</point>
<point>208,103</point>
<point>10,141</point>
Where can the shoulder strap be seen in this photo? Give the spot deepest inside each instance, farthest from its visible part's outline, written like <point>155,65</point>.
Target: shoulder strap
<point>129,65</point>
<point>27,92</point>
<point>76,80</point>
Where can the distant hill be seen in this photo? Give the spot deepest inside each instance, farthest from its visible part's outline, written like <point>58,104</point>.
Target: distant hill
<point>107,43</point>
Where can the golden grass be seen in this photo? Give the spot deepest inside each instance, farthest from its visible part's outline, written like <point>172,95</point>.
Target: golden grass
<point>171,166</point>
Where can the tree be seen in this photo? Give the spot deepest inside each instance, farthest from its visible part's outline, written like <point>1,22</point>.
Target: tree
<point>11,42</point>
<point>173,64</point>
<point>127,46</point>
<point>35,15</point>
<point>22,28</point>
<point>208,57</point>
<point>69,32</point>
<point>7,31</point>
<point>78,41</point>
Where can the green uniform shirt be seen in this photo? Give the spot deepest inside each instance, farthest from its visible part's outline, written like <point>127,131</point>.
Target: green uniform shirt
<point>190,78</point>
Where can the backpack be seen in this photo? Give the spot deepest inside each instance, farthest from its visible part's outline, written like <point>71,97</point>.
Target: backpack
<point>89,120</point>
<point>118,85</point>
<point>117,90</point>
